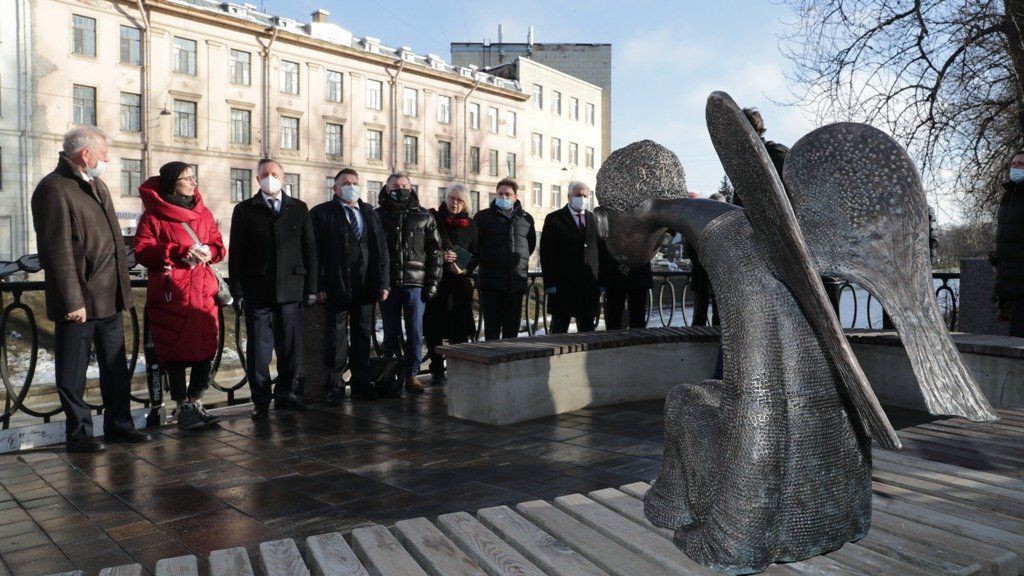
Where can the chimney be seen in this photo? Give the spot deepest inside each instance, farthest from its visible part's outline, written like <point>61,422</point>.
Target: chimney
<point>320,16</point>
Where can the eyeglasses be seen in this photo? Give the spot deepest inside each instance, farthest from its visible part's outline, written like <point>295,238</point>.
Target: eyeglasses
<point>454,199</point>
<point>189,178</point>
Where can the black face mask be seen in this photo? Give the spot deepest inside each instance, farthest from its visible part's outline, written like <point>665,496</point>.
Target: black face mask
<point>401,194</point>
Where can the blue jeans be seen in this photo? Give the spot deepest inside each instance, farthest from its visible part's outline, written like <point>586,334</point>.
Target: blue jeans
<point>404,300</point>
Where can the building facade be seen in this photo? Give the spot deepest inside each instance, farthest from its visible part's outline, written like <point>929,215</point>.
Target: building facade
<point>220,85</point>
<point>15,135</point>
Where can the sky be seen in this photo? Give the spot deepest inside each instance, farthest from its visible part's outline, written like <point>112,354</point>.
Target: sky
<point>667,56</point>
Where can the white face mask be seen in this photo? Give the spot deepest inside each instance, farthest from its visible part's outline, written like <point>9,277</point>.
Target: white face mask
<point>270,185</point>
<point>97,171</point>
<point>578,203</point>
<point>350,193</point>
<point>1017,174</point>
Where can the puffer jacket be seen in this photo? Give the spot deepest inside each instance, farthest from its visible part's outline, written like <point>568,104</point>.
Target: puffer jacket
<point>504,244</point>
<point>414,245</point>
<point>1009,257</point>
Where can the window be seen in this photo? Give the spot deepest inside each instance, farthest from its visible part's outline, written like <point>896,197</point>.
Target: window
<point>373,187</point>
<point>409,101</point>
<point>290,186</point>
<point>131,46</point>
<point>556,149</point>
<point>195,171</point>
<point>589,158</point>
<point>332,139</point>
<point>83,35</point>
<point>538,194</point>
<point>374,88</point>
<point>556,196</point>
<point>289,77</point>
<point>131,176</point>
<point>474,116</point>
<point>334,85</point>
<point>591,114</point>
<point>510,164</point>
<point>444,109</point>
<point>574,108</point>
<point>241,184</point>
<point>444,155</point>
<point>184,119</point>
<point>373,144</point>
<point>84,105</point>
<point>131,112</point>
<point>492,162</point>
<point>328,187</point>
<point>240,65</point>
<point>184,55</point>
<point>289,133</point>
<point>442,193</point>
<point>474,160</point>
<point>510,123</point>
<point>411,146</point>
<point>537,145</point>
<point>556,103</point>
<point>474,199</point>
<point>574,154</point>
<point>538,97</point>
<point>492,120</point>
<point>241,121</point>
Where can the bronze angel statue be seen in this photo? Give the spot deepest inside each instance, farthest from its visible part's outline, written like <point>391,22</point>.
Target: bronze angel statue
<point>773,462</point>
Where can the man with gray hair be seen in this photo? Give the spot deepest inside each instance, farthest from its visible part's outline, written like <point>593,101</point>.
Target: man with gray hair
<point>569,261</point>
<point>85,265</point>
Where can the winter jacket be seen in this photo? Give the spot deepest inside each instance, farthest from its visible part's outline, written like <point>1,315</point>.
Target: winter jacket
<point>414,247</point>
<point>450,314</point>
<point>569,262</point>
<point>1009,256</point>
<point>504,245</point>
<point>180,304</point>
<point>331,229</point>
<point>81,248</point>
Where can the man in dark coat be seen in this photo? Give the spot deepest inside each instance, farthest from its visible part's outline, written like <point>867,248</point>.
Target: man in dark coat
<point>570,264</point>
<point>1009,254</point>
<point>272,266</point>
<point>505,239</point>
<point>414,255</point>
<point>352,269</point>
<point>622,284</point>
<point>85,264</point>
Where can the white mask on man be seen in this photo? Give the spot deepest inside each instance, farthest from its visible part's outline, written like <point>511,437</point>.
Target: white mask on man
<point>578,203</point>
<point>350,193</point>
<point>97,170</point>
<point>271,185</point>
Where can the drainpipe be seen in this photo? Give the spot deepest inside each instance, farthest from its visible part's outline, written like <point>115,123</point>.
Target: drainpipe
<point>146,88</point>
<point>24,29</point>
<point>465,132</point>
<point>393,135</point>
<point>265,55</point>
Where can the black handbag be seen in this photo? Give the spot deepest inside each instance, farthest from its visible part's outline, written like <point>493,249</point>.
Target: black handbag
<point>384,373</point>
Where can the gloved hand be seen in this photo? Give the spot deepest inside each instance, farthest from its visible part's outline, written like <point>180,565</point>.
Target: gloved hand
<point>428,293</point>
<point>551,290</point>
<point>310,300</point>
<point>239,305</point>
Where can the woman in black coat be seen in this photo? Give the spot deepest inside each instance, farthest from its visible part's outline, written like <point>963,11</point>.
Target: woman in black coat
<point>449,316</point>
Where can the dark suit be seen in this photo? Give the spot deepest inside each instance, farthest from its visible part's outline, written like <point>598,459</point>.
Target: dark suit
<point>622,283</point>
<point>272,264</point>
<point>569,261</point>
<point>85,264</point>
<point>352,269</point>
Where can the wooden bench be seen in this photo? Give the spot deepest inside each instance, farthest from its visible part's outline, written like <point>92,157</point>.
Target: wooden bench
<point>929,518</point>
<point>507,381</point>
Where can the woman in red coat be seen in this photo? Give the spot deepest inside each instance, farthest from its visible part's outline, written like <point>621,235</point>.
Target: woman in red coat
<point>180,302</point>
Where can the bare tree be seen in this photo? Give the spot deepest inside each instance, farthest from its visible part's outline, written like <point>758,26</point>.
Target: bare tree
<point>943,76</point>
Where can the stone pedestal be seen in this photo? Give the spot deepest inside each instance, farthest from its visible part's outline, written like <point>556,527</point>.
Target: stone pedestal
<point>976,312</point>
<point>311,360</point>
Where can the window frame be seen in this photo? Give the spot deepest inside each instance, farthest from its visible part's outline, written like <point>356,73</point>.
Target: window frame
<point>293,131</point>
<point>132,45</point>
<point>178,118</point>
<point>134,123</point>
<point>329,86</point>
<point>234,123</point>
<point>75,106</point>
<point>235,65</point>
<point>191,56</point>
<point>286,78</point>
<point>328,128</point>
<point>88,38</point>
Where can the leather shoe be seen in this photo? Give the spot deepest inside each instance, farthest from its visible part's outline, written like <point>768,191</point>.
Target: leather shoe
<point>289,403</point>
<point>259,414</point>
<point>126,437</point>
<point>83,445</point>
<point>364,395</point>
<point>438,380</point>
<point>413,385</point>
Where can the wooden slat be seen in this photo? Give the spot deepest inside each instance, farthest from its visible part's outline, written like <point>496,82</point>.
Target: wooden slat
<point>1004,494</point>
<point>865,561</point>
<point>948,522</point>
<point>381,554</point>
<point>923,556</point>
<point>947,492</point>
<point>636,489</point>
<point>950,507</point>
<point>993,560</point>
<point>72,573</point>
<point>126,570</point>
<point>282,558</point>
<point>230,562</point>
<point>180,566</point>
<point>330,555</point>
<point>433,550</point>
<point>909,461</point>
<point>597,548</point>
<point>548,553</point>
<point>488,550</point>
<point>632,536</point>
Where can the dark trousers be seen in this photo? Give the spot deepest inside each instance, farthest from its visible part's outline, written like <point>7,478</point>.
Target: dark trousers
<point>615,304</point>
<point>436,358</point>
<point>503,312</point>
<point>1017,319</point>
<point>701,300</point>
<point>71,342</point>
<point>198,383</point>
<point>560,323</point>
<point>271,328</point>
<point>404,302</point>
<point>340,325</point>
<point>833,291</point>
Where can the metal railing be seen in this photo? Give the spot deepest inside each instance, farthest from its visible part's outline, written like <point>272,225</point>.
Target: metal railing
<point>667,298</point>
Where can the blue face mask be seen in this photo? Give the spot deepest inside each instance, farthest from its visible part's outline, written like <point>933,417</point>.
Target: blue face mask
<point>1017,174</point>
<point>503,203</point>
